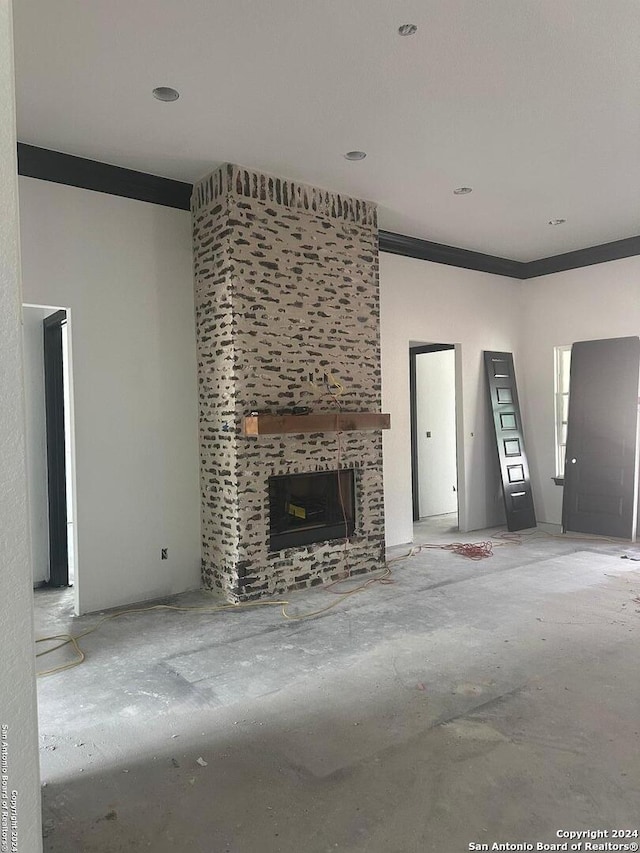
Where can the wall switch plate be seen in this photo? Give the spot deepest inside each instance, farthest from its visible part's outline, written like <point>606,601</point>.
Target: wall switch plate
<point>164,554</point>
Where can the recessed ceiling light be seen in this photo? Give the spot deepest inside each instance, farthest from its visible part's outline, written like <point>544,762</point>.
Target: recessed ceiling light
<point>463,190</point>
<point>407,30</point>
<point>166,93</point>
<point>355,155</point>
<point>557,221</point>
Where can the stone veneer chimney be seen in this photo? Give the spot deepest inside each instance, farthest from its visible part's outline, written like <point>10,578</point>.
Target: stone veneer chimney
<point>286,287</point>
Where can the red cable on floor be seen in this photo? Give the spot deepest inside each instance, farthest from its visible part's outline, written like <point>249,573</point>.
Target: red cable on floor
<point>472,550</point>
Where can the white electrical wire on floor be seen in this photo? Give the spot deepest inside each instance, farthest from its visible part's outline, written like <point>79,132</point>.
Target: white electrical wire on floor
<point>384,578</point>
<point>471,550</point>
<point>72,639</point>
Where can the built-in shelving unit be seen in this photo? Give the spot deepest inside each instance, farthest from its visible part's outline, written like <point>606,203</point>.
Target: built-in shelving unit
<point>318,422</point>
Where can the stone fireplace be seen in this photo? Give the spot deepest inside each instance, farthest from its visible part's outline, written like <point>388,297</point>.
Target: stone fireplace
<point>287,309</point>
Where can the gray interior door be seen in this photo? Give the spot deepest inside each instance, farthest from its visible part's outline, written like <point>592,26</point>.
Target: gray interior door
<point>601,466</point>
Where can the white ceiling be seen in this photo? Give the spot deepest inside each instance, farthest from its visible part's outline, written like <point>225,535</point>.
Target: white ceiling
<point>533,103</point>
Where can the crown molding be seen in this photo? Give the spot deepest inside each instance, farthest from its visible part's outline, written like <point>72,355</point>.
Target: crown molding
<point>34,162</point>
<point>584,257</point>
<point>47,165</point>
<point>439,253</point>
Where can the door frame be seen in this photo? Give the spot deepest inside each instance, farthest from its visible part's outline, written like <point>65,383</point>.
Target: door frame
<point>56,451</point>
<point>69,368</point>
<point>415,350</point>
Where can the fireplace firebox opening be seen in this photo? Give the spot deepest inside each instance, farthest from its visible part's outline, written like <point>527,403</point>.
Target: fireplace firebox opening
<point>306,508</point>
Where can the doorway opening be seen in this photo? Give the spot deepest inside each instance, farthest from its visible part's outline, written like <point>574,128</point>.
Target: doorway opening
<point>50,448</point>
<point>434,445</point>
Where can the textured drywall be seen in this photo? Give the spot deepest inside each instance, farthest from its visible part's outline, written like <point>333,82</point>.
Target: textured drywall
<point>124,269</point>
<point>286,283</point>
<point>19,772</point>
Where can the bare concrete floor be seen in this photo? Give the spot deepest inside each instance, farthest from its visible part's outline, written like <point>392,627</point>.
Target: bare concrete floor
<point>467,702</point>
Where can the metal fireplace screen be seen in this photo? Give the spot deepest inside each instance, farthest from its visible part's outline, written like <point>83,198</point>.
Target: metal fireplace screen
<point>305,508</point>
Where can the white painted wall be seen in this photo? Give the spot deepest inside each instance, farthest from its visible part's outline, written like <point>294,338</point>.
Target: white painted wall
<point>436,414</point>
<point>123,269</point>
<point>17,662</point>
<point>600,301</point>
<point>423,301</point>
<point>32,341</point>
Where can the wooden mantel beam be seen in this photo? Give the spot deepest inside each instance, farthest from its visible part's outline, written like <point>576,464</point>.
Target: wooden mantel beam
<point>319,422</point>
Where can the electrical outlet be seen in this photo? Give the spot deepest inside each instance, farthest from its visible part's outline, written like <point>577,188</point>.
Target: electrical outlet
<point>164,554</point>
